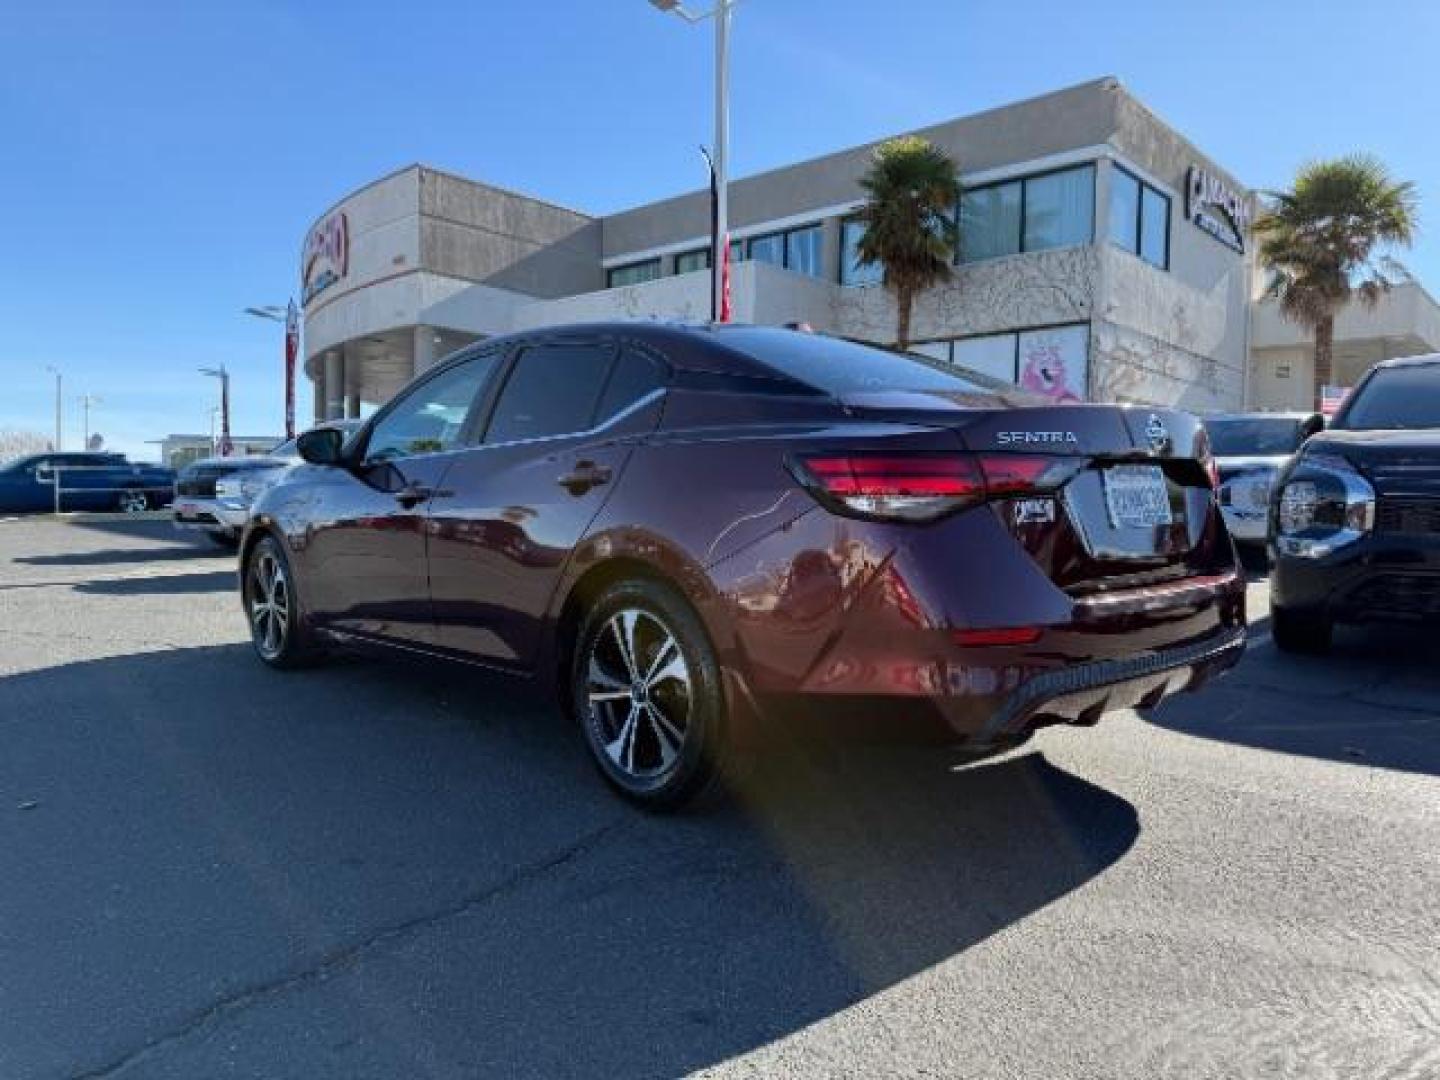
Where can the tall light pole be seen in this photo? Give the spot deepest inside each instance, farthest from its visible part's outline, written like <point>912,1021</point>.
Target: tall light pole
<point>290,316</point>
<point>719,162</point>
<point>224,377</point>
<point>59,430</point>
<point>87,401</point>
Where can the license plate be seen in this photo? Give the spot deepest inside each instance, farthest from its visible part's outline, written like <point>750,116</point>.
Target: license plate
<point>1136,496</point>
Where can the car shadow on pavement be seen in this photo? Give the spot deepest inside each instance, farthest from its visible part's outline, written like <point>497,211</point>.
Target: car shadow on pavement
<point>118,556</point>
<point>377,869</point>
<point>1373,700</point>
<point>163,584</point>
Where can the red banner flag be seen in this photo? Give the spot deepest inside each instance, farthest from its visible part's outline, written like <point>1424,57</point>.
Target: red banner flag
<point>292,346</point>
<point>725,281</point>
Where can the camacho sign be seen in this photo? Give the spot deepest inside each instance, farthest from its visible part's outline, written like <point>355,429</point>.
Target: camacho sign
<point>327,256</point>
<point>1217,208</point>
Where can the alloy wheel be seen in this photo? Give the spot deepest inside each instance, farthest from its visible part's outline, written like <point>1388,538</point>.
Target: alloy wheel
<point>133,502</point>
<point>639,694</point>
<point>269,604</point>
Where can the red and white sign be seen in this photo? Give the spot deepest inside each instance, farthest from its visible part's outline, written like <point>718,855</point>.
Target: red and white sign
<point>327,255</point>
<point>292,346</point>
<point>1331,398</point>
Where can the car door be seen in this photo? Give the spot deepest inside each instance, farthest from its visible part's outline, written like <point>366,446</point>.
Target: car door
<point>26,485</point>
<point>557,439</point>
<point>363,563</point>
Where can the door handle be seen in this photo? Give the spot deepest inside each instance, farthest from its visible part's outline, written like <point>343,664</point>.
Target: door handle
<point>412,495</point>
<point>585,476</point>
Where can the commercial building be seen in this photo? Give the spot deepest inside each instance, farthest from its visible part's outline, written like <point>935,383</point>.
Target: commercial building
<point>1405,322</point>
<point>1104,258</point>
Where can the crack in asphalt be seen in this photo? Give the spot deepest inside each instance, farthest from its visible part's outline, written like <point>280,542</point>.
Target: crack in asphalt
<point>345,957</point>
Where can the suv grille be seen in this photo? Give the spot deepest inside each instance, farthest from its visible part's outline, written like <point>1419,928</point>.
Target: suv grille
<point>199,483</point>
<point>1408,514</point>
<point>1404,595</point>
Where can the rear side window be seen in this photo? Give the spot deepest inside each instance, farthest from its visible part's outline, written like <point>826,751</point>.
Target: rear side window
<point>552,390</point>
<point>635,375</point>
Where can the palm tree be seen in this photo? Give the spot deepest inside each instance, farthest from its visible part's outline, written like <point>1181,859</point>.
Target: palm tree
<point>1323,243</point>
<point>910,189</point>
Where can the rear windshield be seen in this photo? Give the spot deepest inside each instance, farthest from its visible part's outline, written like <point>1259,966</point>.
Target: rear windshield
<point>1399,397</point>
<point>1244,436</point>
<point>842,367</point>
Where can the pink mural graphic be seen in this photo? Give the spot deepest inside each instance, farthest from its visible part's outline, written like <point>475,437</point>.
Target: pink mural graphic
<point>1045,369</point>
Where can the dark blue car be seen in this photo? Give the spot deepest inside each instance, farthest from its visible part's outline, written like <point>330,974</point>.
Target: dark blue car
<point>86,482</point>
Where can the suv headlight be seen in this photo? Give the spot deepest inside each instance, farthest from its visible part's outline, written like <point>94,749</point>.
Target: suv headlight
<point>1324,505</point>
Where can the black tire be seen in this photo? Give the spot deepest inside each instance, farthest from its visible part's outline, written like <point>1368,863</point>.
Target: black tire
<point>229,541</point>
<point>659,742</point>
<point>277,624</point>
<point>1300,632</point>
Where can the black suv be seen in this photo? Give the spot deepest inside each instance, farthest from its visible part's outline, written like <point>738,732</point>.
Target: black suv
<point>1355,518</point>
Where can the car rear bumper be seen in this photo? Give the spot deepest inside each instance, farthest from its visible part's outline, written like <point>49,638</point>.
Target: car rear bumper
<point>1122,649</point>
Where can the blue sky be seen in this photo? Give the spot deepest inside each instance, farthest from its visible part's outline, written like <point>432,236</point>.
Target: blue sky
<point>161,161</point>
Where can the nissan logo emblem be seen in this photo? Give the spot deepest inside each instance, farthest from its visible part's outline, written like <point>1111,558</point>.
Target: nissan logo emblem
<point>1157,433</point>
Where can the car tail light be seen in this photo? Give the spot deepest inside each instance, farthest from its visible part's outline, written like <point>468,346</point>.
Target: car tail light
<point>1004,635</point>
<point>922,487</point>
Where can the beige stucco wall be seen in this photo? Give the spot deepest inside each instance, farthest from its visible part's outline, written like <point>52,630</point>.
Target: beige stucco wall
<point>496,237</point>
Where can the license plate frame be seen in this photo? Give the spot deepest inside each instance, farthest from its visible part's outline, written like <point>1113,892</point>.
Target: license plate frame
<point>1137,497</point>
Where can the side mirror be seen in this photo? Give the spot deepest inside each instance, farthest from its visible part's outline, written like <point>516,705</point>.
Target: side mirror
<point>321,446</point>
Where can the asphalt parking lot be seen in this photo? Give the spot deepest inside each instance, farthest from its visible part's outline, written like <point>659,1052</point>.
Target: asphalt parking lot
<point>378,870</point>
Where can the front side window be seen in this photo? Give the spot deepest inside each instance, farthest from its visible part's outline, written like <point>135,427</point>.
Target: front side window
<point>852,272</point>
<point>553,389</point>
<point>690,261</point>
<point>1059,209</point>
<point>430,418</point>
<point>633,274</point>
<point>1394,398</point>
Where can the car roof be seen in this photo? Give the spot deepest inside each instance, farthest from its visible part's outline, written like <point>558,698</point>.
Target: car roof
<point>698,346</point>
<point>1260,414</point>
<point>1411,361</point>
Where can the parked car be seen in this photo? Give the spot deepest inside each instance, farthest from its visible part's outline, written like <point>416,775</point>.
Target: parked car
<point>1250,450</point>
<point>213,496</point>
<point>1355,519</point>
<point>682,527</point>
<point>87,481</point>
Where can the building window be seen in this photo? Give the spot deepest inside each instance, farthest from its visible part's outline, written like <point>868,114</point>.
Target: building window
<point>690,261</point>
<point>802,250</point>
<point>852,272</point>
<point>632,274</point>
<point>990,222</point>
<point>1053,362</point>
<point>797,249</point>
<point>767,249</point>
<point>1055,209</point>
<point>1139,218</point>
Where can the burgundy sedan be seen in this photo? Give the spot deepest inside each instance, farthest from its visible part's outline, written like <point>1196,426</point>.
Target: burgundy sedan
<point>681,527</point>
